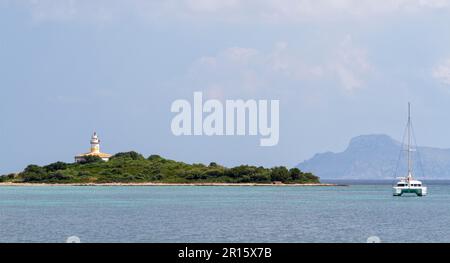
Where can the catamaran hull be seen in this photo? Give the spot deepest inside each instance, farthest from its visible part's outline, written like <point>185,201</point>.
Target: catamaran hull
<point>419,191</point>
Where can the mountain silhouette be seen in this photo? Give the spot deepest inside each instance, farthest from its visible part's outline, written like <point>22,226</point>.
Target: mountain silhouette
<point>378,157</point>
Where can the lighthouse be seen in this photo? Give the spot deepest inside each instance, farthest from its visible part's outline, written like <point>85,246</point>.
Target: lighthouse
<point>95,151</point>
<point>95,144</point>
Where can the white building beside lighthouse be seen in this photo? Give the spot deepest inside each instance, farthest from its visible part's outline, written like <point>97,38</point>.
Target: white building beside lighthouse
<point>95,151</point>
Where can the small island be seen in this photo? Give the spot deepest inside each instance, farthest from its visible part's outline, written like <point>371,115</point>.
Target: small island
<point>134,169</point>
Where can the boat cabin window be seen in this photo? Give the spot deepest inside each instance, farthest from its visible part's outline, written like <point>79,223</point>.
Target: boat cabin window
<point>404,185</point>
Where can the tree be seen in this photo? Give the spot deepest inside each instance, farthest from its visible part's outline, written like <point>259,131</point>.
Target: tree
<point>91,159</point>
<point>280,173</point>
<point>59,176</point>
<point>214,172</point>
<point>240,171</point>
<point>309,177</point>
<point>295,173</point>
<point>129,155</point>
<point>263,176</point>
<point>34,169</point>
<point>154,157</point>
<point>56,166</point>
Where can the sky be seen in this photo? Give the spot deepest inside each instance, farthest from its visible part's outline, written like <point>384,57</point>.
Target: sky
<point>340,68</point>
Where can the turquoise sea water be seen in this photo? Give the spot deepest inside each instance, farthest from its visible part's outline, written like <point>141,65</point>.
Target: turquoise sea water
<point>223,214</point>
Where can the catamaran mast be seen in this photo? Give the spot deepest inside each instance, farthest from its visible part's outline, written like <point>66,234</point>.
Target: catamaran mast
<point>409,142</point>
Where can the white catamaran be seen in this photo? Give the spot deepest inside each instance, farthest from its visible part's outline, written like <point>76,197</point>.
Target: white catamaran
<point>408,185</point>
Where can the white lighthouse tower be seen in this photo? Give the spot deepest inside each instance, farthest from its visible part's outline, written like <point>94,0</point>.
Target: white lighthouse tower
<point>95,151</point>
<point>95,144</point>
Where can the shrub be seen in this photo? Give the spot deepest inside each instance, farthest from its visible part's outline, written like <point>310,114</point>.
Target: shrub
<point>59,176</point>
<point>309,177</point>
<point>154,157</point>
<point>56,166</point>
<point>83,174</point>
<point>34,169</point>
<point>295,173</point>
<point>195,175</point>
<point>91,159</point>
<point>214,173</point>
<point>240,171</point>
<point>245,179</point>
<point>30,177</point>
<point>280,173</point>
<point>156,177</point>
<point>129,155</point>
<point>260,177</point>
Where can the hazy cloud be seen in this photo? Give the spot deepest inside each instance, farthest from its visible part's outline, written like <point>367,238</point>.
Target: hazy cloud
<point>442,72</point>
<point>278,11</point>
<point>249,70</point>
<point>351,65</point>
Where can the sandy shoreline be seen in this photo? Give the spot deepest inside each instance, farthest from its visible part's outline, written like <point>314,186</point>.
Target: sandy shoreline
<point>163,184</point>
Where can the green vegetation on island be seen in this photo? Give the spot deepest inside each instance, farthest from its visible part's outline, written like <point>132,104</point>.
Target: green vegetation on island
<point>132,167</point>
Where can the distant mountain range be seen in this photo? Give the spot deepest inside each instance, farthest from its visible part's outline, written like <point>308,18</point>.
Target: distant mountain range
<point>378,157</point>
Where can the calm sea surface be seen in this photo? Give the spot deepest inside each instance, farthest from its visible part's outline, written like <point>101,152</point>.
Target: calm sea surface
<point>223,214</point>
